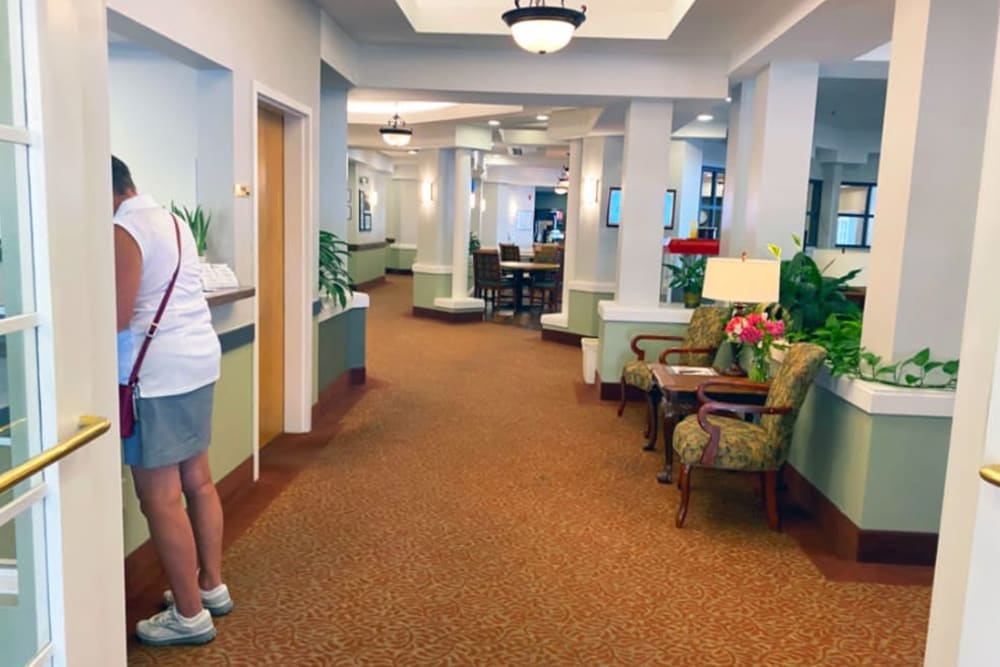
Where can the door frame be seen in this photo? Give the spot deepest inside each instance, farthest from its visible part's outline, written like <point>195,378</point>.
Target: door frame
<point>300,228</point>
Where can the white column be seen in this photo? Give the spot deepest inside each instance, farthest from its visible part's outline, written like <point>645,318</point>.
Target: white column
<point>490,222</point>
<point>574,210</point>
<point>784,116</point>
<point>732,232</point>
<point>966,599</point>
<point>685,177</point>
<point>645,171</point>
<point>929,174</point>
<point>833,176</point>
<point>435,224</point>
<point>462,194</point>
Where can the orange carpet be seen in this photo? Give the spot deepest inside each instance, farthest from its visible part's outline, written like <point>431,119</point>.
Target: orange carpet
<point>478,506</point>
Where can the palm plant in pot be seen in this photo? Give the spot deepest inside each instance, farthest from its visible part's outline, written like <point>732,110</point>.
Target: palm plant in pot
<point>198,220</point>
<point>689,276</point>
<point>334,279</point>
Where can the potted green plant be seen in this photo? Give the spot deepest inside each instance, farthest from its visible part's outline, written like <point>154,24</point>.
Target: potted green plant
<point>689,276</point>
<point>334,279</point>
<point>198,220</point>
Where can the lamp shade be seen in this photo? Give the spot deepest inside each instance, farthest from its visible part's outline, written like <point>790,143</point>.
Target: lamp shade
<point>742,280</point>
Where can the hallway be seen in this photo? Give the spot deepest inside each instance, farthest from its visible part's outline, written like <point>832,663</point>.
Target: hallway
<point>479,505</point>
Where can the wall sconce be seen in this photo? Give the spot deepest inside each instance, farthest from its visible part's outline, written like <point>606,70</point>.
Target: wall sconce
<point>591,190</point>
<point>427,192</point>
<point>482,205</point>
<point>373,198</point>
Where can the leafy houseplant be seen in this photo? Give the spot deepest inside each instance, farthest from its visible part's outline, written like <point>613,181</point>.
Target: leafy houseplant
<point>198,220</point>
<point>689,276</point>
<point>807,297</point>
<point>334,279</point>
<point>474,243</point>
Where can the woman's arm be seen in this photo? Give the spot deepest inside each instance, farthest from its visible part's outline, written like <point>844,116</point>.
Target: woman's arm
<point>128,272</point>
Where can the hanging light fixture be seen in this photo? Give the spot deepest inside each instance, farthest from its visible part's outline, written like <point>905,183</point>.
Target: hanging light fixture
<point>540,28</point>
<point>562,185</point>
<point>395,133</point>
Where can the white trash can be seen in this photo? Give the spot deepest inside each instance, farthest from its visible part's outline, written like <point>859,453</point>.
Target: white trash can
<point>589,346</point>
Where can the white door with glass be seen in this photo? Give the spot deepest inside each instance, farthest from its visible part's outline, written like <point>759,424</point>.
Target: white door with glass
<point>61,590</point>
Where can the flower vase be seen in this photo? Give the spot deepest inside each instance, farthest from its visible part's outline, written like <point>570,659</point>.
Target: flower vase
<point>760,365</point>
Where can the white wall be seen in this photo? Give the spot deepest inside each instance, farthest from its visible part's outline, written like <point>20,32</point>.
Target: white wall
<point>404,210</point>
<point>154,122</point>
<point>685,177</point>
<point>713,152</point>
<point>512,200</point>
<point>377,191</point>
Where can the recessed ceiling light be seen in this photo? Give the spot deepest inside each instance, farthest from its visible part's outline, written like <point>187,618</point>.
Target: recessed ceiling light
<point>412,151</point>
<point>542,117</point>
<point>729,99</point>
<point>494,123</point>
<point>705,117</point>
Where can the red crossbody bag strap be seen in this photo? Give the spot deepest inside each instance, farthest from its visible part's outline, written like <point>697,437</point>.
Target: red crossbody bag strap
<point>155,324</point>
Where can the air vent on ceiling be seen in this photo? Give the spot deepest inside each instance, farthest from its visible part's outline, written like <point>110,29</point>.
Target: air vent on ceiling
<point>516,151</point>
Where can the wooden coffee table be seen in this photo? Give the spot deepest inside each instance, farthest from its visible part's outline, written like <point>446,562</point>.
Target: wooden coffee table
<point>679,392</point>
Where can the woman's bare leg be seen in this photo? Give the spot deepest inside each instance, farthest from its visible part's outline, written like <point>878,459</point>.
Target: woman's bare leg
<point>159,491</point>
<point>205,511</point>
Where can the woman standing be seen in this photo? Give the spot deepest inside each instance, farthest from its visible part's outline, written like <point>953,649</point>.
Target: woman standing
<point>168,451</point>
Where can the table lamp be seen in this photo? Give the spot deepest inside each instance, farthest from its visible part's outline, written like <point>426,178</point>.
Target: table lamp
<point>741,281</point>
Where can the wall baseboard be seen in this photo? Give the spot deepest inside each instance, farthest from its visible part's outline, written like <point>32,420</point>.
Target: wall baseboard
<point>848,541</point>
<point>452,317</point>
<point>399,272</point>
<point>612,391</point>
<point>562,337</point>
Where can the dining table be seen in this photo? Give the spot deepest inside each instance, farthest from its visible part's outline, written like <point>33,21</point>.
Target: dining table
<point>520,270</point>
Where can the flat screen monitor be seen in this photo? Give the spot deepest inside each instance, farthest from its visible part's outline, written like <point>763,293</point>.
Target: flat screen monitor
<point>615,208</point>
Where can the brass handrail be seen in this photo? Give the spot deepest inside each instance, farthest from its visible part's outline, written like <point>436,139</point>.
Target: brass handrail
<point>91,428</point>
<point>991,474</point>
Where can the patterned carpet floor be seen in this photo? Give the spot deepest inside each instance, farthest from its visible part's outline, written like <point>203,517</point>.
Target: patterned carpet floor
<point>480,506</point>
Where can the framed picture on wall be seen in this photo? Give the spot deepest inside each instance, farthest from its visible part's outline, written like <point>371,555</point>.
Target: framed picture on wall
<point>614,217</point>
<point>364,212</point>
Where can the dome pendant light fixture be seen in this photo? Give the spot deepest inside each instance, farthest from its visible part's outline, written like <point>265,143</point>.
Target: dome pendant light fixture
<point>562,186</point>
<point>539,28</point>
<point>395,133</point>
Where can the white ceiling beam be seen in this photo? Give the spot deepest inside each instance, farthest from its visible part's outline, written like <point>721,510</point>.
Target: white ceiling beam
<point>337,49</point>
<point>573,123</point>
<point>560,75</point>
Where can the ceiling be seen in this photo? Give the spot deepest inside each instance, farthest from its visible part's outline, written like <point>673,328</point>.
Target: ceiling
<point>851,104</point>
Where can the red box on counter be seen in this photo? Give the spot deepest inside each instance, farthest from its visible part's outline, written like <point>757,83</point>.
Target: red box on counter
<point>678,246</point>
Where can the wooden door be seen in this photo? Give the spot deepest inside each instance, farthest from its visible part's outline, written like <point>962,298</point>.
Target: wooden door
<point>271,272</point>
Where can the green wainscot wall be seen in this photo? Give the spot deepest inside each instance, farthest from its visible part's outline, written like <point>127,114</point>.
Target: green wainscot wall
<point>232,435</point>
<point>400,259</point>
<point>340,346</point>
<point>615,350</point>
<point>366,265</point>
<point>430,286</point>
<point>583,316</point>
<point>884,472</point>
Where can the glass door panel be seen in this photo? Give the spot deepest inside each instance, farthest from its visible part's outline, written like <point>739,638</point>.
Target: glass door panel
<point>24,613</point>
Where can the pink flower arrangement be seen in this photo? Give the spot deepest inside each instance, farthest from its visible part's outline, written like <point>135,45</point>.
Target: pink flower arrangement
<point>754,329</point>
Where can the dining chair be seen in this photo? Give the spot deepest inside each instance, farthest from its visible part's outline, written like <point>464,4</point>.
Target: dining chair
<point>510,252</point>
<point>546,286</point>
<point>488,280</point>
<point>698,347</point>
<point>718,437</point>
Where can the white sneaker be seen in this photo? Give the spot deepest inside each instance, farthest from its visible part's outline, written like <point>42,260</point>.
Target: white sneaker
<point>169,628</point>
<point>217,601</point>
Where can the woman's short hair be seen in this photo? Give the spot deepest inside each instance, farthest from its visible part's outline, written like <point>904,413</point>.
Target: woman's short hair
<point>121,177</point>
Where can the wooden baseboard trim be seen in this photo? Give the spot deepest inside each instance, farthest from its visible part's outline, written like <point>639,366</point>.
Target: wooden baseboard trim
<point>562,337</point>
<point>358,376</point>
<point>452,317</point>
<point>364,287</point>
<point>612,391</point>
<point>848,541</point>
<point>400,272</point>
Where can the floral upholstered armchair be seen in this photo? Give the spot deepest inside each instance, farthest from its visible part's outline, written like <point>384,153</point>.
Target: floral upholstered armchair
<point>698,347</point>
<point>718,437</point>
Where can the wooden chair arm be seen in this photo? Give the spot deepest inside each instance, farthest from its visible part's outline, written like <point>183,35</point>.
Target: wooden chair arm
<point>639,352</point>
<point>729,410</point>
<point>685,350</point>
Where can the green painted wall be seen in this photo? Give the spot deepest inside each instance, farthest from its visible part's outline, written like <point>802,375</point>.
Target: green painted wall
<point>232,435</point>
<point>341,345</point>
<point>400,258</point>
<point>430,286</point>
<point>583,317</point>
<point>883,472</point>
<point>615,350</point>
<point>366,265</point>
